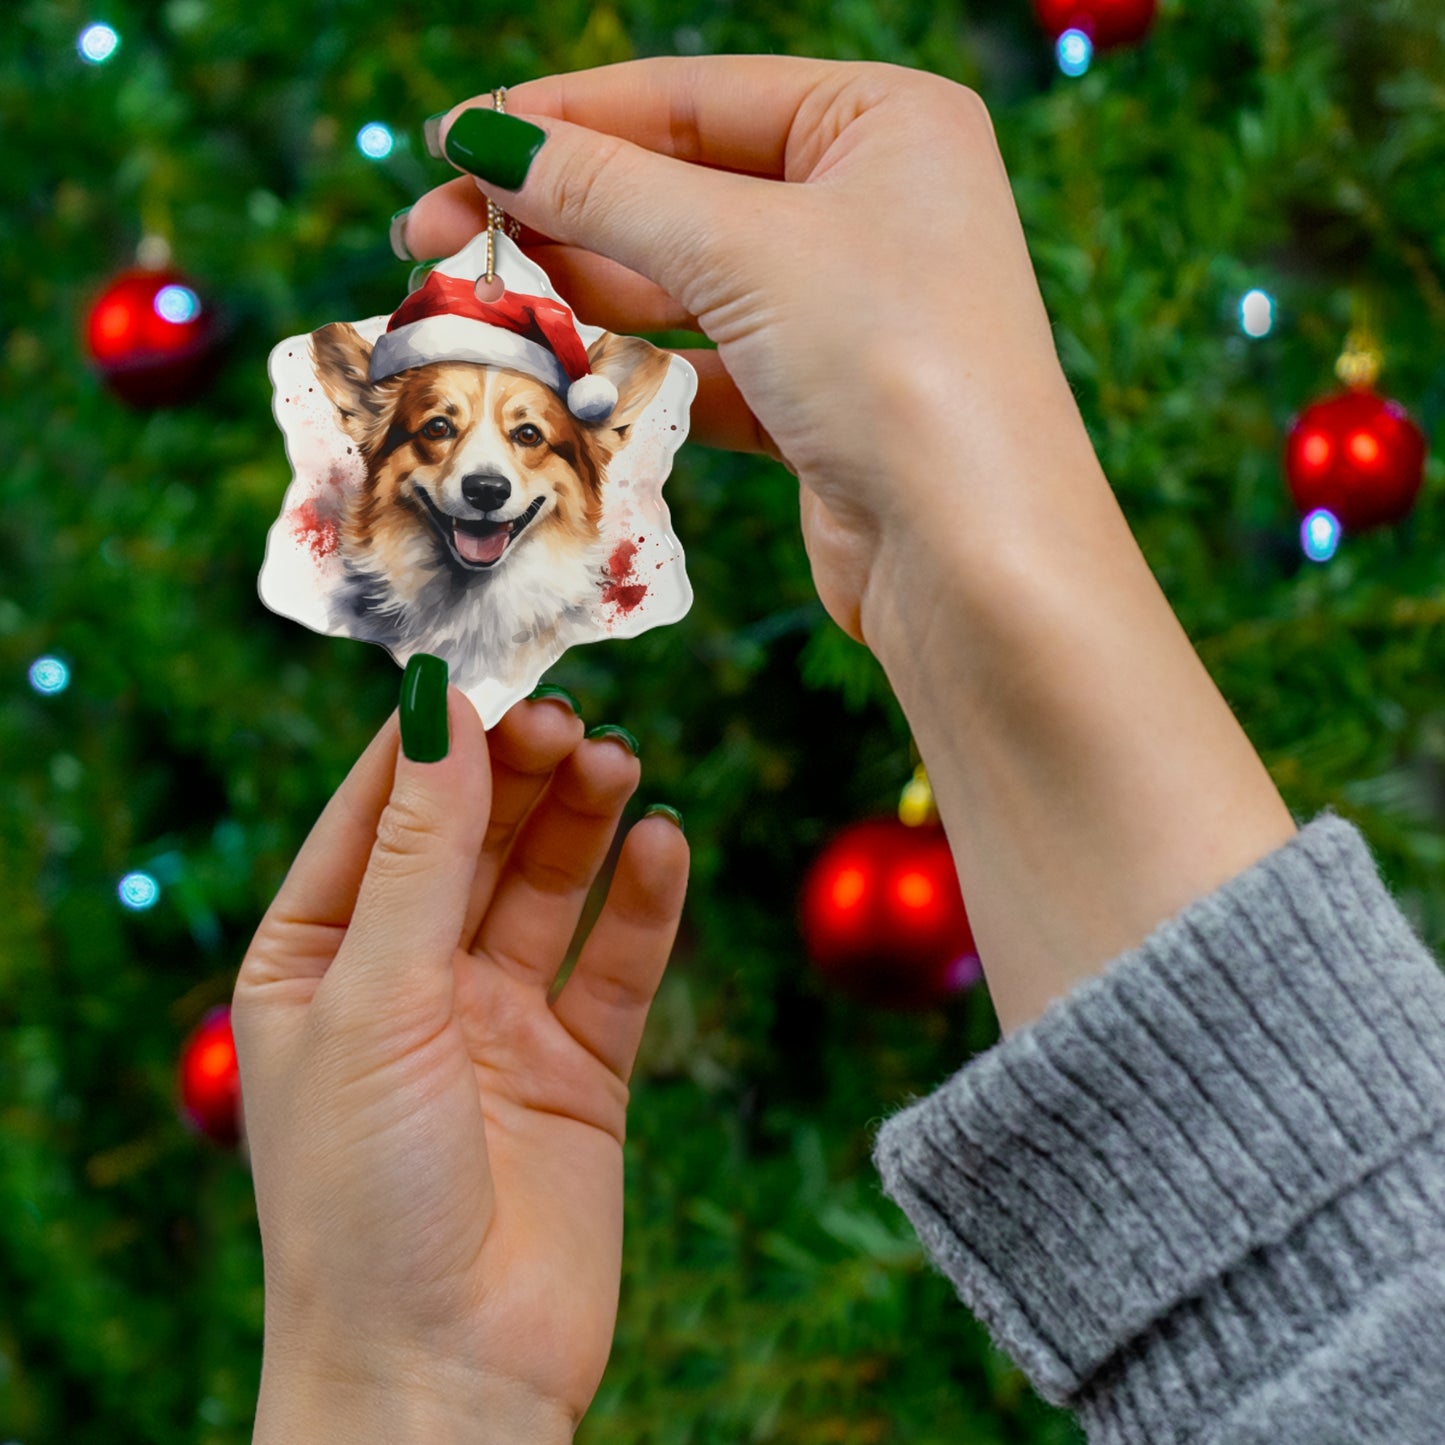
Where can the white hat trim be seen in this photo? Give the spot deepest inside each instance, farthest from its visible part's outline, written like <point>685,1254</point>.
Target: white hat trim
<point>461,338</point>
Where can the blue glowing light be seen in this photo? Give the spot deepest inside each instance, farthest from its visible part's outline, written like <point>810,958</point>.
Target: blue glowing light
<point>1075,52</point>
<point>177,304</point>
<point>97,44</point>
<point>1320,535</point>
<point>49,675</point>
<point>375,140</point>
<point>138,891</point>
<point>1256,313</point>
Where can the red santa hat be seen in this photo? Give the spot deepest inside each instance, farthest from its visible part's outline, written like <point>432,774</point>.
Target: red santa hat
<point>442,320</point>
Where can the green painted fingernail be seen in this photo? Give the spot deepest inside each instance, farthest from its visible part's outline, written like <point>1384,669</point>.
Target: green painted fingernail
<point>424,733</point>
<point>397,235</point>
<point>612,730</point>
<point>498,148</point>
<point>431,133</point>
<point>549,689</point>
<point>663,810</point>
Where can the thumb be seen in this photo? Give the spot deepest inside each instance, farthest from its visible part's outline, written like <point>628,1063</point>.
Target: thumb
<point>413,898</point>
<point>663,218</point>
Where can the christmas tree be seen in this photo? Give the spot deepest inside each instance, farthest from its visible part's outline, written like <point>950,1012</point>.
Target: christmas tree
<point>1213,210</point>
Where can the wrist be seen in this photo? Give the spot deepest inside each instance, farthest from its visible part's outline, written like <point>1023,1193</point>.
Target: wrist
<point>406,1401</point>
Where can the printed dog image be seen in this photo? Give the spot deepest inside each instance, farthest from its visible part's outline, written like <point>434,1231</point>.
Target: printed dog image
<point>476,532</point>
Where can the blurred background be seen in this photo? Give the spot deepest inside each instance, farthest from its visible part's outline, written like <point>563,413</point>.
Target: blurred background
<point>1223,200</point>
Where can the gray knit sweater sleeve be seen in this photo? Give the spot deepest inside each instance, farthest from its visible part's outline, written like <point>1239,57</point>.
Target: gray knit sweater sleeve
<point>1202,1199</point>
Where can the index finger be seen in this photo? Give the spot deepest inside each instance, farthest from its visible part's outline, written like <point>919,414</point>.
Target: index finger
<point>733,112</point>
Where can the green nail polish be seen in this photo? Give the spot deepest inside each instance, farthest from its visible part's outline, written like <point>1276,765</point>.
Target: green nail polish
<point>498,148</point>
<point>431,133</point>
<point>424,733</point>
<point>549,689</point>
<point>663,810</point>
<point>612,730</point>
<point>397,235</point>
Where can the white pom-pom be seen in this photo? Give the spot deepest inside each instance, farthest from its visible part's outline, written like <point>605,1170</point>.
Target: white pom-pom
<point>591,397</point>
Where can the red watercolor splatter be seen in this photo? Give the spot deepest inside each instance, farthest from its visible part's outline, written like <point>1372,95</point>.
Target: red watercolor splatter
<point>619,591</point>
<point>619,564</point>
<point>314,531</point>
<point>625,597</point>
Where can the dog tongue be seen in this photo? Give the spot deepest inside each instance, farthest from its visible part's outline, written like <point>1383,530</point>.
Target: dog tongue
<point>487,548</point>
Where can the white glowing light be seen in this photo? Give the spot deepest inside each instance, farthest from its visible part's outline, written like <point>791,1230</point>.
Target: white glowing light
<point>375,140</point>
<point>177,304</point>
<point>1075,52</point>
<point>1320,535</point>
<point>138,891</point>
<point>1256,313</point>
<point>97,44</point>
<point>49,675</point>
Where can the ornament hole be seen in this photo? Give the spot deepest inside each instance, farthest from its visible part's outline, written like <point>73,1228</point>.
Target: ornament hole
<point>492,290</point>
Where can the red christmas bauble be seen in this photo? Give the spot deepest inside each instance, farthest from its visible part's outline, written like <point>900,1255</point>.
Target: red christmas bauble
<point>1359,456</point>
<point>210,1081</point>
<point>1107,23</point>
<point>152,338</point>
<point>883,916</point>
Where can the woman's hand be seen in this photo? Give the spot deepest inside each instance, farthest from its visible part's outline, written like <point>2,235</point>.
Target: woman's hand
<point>437,1150</point>
<point>847,236</point>
<point>878,324</point>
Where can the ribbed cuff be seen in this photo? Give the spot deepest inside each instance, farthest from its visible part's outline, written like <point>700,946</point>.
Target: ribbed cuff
<point>1192,1140</point>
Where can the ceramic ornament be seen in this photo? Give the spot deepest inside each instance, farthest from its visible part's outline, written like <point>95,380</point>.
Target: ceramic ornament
<point>478,478</point>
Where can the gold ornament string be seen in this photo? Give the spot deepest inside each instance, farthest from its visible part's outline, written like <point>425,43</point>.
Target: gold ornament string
<point>497,218</point>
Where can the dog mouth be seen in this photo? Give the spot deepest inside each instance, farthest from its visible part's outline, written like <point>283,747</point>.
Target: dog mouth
<point>478,543</point>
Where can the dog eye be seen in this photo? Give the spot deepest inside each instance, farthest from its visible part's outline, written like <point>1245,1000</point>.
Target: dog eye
<point>438,428</point>
<point>527,435</point>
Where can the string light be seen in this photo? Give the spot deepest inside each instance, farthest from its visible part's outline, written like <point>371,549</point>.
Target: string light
<point>375,141</point>
<point>1256,313</point>
<point>177,304</point>
<point>97,43</point>
<point>1320,535</point>
<point>49,675</point>
<point>138,891</point>
<point>1075,52</point>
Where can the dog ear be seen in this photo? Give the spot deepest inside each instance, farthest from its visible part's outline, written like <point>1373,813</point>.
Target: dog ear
<point>343,361</point>
<point>637,369</point>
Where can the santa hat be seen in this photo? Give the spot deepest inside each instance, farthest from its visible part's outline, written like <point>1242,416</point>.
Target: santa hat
<point>442,320</point>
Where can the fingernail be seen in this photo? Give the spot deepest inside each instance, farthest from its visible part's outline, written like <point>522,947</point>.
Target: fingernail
<point>431,133</point>
<point>664,811</point>
<point>548,689</point>
<point>498,148</point>
<point>419,274</point>
<point>397,234</point>
<point>612,730</point>
<point>424,735</point>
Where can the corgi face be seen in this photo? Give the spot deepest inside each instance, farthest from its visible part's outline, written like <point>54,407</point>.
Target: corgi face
<point>469,466</point>
<point>489,460</point>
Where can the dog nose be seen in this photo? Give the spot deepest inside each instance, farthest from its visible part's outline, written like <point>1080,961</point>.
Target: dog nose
<point>486,493</point>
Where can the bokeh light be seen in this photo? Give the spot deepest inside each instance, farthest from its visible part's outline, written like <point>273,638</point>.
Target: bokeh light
<point>138,891</point>
<point>1075,52</point>
<point>1256,313</point>
<point>49,675</point>
<point>849,887</point>
<point>375,140</point>
<point>97,43</point>
<point>177,304</point>
<point>1320,535</point>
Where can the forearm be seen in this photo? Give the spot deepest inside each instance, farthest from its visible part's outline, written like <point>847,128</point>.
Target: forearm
<point>1092,779</point>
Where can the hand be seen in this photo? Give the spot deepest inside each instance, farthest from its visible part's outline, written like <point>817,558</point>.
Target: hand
<point>878,324</point>
<point>847,236</point>
<point>437,1150</point>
